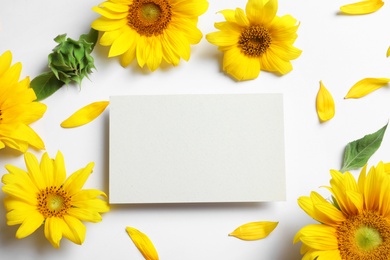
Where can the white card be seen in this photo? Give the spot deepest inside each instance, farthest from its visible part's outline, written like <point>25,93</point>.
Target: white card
<point>196,148</point>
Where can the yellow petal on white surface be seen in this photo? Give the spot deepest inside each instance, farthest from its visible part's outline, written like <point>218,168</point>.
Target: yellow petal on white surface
<point>388,52</point>
<point>143,243</point>
<point>85,115</point>
<point>254,230</point>
<point>363,7</point>
<point>324,104</point>
<point>366,86</point>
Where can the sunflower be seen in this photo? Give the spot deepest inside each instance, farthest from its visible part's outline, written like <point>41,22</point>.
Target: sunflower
<point>43,195</point>
<point>256,40</point>
<point>150,30</point>
<point>17,109</point>
<point>355,224</point>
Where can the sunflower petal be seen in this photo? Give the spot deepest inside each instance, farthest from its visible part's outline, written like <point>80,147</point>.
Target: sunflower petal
<point>26,133</point>
<point>74,230</point>
<point>85,214</point>
<point>143,243</point>
<point>129,55</point>
<point>77,180</point>
<point>388,52</point>
<point>59,173</point>
<point>109,37</point>
<point>240,66</point>
<point>47,168</point>
<point>324,104</point>
<point>318,236</point>
<point>261,12</point>
<point>105,24</point>
<point>109,14</point>
<point>122,43</point>
<point>88,194</point>
<point>366,86</point>
<point>53,230</point>
<point>5,62</point>
<point>154,54</point>
<point>32,222</point>
<point>34,170</point>
<point>254,230</point>
<point>97,205</point>
<point>363,7</point>
<point>271,61</point>
<point>115,7</point>
<point>229,15</point>
<point>222,38</point>
<point>85,115</point>
<point>241,18</point>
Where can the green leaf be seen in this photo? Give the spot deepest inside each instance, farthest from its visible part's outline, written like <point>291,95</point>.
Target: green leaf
<point>45,84</point>
<point>91,37</point>
<point>60,38</point>
<point>357,153</point>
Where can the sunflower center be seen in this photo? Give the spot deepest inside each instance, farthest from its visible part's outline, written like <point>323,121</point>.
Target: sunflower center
<point>367,238</point>
<point>254,40</point>
<point>150,12</point>
<point>53,202</point>
<point>149,17</point>
<point>364,236</point>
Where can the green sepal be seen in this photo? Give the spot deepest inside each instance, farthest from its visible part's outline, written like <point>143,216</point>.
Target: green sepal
<point>91,37</point>
<point>45,84</point>
<point>357,153</point>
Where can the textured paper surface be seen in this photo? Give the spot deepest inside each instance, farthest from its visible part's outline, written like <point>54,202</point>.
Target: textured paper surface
<point>196,148</point>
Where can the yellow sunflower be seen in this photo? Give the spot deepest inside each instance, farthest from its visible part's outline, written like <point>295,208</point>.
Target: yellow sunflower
<point>256,40</point>
<point>17,109</point>
<point>43,195</point>
<point>150,30</point>
<point>355,224</point>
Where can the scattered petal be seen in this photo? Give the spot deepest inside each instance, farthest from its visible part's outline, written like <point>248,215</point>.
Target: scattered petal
<point>254,230</point>
<point>85,115</point>
<point>363,7</point>
<point>143,243</point>
<point>325,104</point>
<point>388,52</point>
<point>366,86</point>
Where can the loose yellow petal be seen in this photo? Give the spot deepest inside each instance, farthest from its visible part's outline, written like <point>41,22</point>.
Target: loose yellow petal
<point>143,243</point>
<point>363,7</point>
<point>366,86</point>
<point>254,230</point>
<point>325,104</point>
<point>85,115</point>
<point>388,52</point>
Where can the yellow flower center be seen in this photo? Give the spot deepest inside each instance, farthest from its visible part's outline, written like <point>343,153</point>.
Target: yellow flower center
<point>149,17</point>
<point>53,202</point>
<point>254,40</point>
<point>364,236</point>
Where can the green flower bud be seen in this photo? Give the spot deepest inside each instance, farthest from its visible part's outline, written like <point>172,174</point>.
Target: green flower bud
<point>71,60</point>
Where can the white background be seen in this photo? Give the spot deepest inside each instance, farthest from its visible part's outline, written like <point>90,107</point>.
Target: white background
<point>340,50</point>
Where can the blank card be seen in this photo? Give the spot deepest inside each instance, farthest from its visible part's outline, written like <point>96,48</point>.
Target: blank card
<point>196,148</point>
